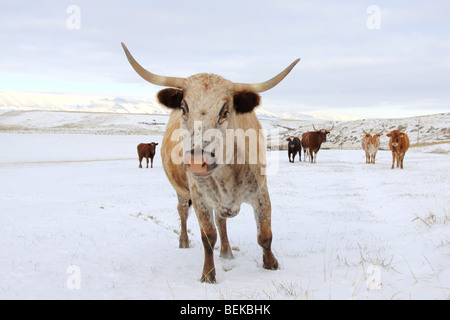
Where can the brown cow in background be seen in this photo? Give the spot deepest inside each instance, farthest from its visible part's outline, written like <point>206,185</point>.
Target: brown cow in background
<point>146,150</point>
<point>312,140</point>
<point>398,143</point>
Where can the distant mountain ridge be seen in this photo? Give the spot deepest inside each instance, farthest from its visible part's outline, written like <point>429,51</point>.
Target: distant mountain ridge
<point>55,102</point>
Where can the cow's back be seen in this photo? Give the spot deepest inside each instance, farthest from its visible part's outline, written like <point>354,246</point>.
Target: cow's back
<point>250,124</point>
<point>298,145</point>
<point>174,171</point>
<point>404,143</point>
<point>311,140</point>
<point>376,143</point>
<point>305,140</point>
<point>143,150</point>
<point>364,143</point>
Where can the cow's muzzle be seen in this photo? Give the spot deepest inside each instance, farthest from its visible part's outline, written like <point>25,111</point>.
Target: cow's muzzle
<point>199,162</point>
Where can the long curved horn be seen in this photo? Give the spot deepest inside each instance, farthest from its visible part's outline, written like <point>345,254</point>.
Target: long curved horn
<point>151,77</point>
<point>385,129</point>
<point>331,128</point>
<point>404,130</point>
<point>269,84</point>
<point>315,128</point>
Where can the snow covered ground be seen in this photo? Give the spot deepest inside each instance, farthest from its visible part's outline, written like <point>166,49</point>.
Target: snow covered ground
<point>79,220</point>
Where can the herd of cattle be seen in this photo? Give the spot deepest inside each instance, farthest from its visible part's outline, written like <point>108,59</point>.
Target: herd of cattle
<point>312,140</point>
<point>217,190</point>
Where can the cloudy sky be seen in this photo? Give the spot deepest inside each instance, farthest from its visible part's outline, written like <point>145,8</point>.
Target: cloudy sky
<point>360,59</point>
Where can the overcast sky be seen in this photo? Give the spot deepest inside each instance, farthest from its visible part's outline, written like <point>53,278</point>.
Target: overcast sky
<point>359,59</point>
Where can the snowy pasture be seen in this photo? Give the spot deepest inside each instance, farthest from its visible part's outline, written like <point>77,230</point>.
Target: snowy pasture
<point>80,220</point>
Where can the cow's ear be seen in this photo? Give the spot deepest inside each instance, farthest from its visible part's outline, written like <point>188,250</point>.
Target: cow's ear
<point>156,144</point>
<point>245,101</point>
<point>388,135</point>
<point>170,97</point>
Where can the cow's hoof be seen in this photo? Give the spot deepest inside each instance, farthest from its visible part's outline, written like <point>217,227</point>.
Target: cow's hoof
<point>184,244</point>
<point>270,263</point>
<point>208,278</point>
<point>226,254</point>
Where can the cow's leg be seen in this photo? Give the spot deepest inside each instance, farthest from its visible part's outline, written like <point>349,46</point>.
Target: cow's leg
<point>209,238</point>
<point>225,248</point>
<point>147,161</point>
<point>140,161</point>
<point>262,210</point>
<point>300,155</point>
<point>183,211</point>
<point>393,159</point>
<point>401,156</point>
<point>151,159</point>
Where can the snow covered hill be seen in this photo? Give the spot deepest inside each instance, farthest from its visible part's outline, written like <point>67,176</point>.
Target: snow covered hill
<point>428,133</point>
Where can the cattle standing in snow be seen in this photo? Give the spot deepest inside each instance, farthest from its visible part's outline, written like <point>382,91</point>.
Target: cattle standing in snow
<point>294,146</point>
<point>216,188</point>
<point>370,145</point>
<point>399,144</point>
<point>146,150</point>
<point>312,140</point>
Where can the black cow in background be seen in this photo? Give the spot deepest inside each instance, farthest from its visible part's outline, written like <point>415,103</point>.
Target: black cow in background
<point>294,146</point>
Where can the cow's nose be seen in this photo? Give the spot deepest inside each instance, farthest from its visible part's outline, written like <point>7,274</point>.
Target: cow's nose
<point>198,162</point>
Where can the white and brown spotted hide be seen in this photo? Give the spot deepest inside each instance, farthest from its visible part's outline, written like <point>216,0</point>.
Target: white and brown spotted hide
<point>370,144</point>
<point>207,165</point>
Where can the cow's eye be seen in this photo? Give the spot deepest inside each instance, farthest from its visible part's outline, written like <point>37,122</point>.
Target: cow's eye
<point>184,108</point>
<point>224,113</point>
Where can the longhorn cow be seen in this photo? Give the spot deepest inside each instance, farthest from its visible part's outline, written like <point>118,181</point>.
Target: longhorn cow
<point>370,144</point>
<point>399,144</point>
<point>215,188</point>
<point>312,140</point>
